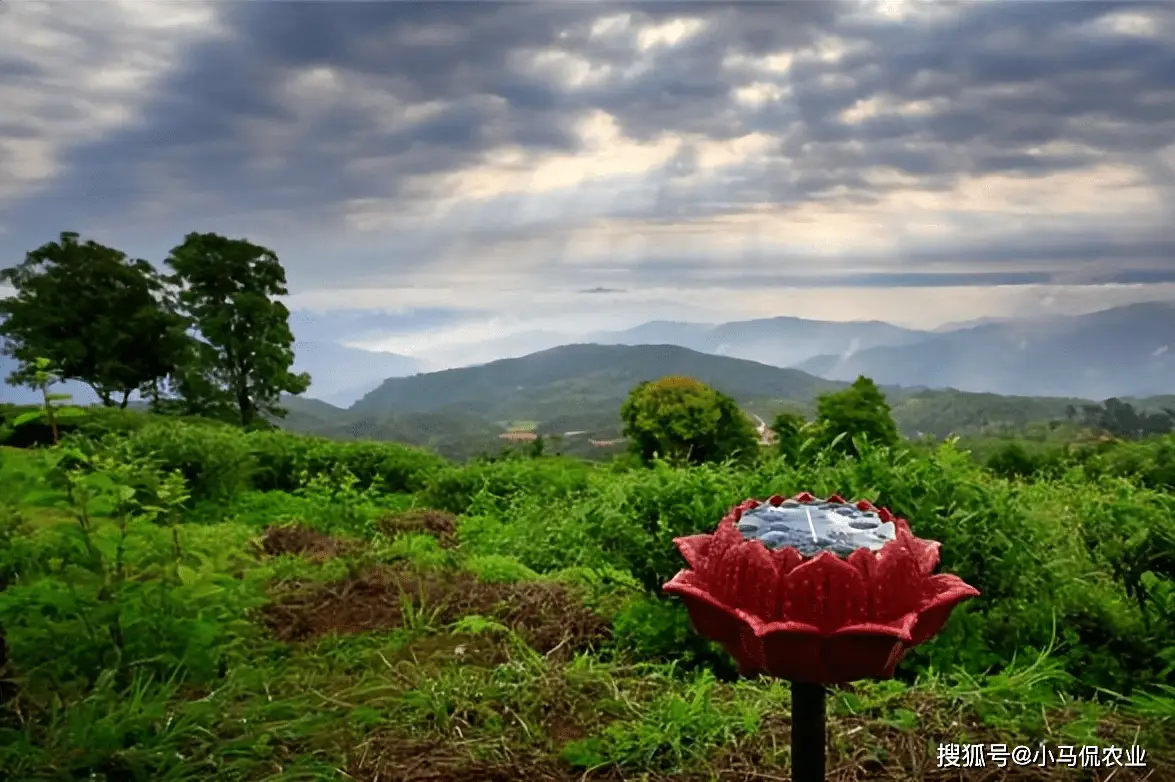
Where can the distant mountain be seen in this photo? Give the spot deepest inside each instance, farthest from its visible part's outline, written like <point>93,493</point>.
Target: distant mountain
<point>586,380</point>
<point>340,374</point>
<point>1125,351</point>
<point>967,324</point>
<point>780,342</point>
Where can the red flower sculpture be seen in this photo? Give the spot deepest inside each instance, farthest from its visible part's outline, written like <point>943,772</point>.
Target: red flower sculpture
<point>819,619</point>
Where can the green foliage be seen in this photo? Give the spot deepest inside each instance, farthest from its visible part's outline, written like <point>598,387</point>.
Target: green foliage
<point>1149,462</point>
<point>118,599</point>
<point>1013,460</point>
<point>213,458</point>
<point>498,482</point>
<point>499,569</point>
<point>859,410</point>
<point>789,430</point>
<point>684,421</point>
<point>49,413</point>
<point>228,287</point>
<point>283,460</point>
<point>1121,419</point>
<point>97,315</point>
<point>672,735</point>
<point>127,605</point>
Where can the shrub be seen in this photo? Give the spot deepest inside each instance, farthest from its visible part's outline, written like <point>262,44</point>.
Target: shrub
<point>283,460</point>
<point>213,458</point>
<point>95,422</point>
<point>456,488</point>
<point>685,421</point>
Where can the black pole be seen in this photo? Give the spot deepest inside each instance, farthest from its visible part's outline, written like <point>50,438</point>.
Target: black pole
<point>807,732</point>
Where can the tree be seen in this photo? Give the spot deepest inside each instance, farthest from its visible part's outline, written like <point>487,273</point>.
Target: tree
<point>860,409</point>
<point>680,419</point>
<point>227,287</point>
<point>97,316</point>
<point>788,428</point>
<point>1121,419</point>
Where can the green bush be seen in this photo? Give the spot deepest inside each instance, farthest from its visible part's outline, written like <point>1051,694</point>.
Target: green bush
<point>122,590</point>
<point>283,460</point>
<point>1150,462</point>
<point>213,458</point>
<point>96,422</point>
<point>455,489</point>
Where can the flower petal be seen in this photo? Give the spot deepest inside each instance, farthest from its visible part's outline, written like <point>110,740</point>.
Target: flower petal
<point>710,617</point>
<point>695,549</point>
<point>851,655</point>
<point>940,596</point>
<point>825,592</point>
<point>791,650</point>
<point>759,588</point>
<point>896,582</point>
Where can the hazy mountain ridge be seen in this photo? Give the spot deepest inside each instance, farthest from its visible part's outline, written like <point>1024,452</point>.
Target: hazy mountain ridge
<point>341,375</point>
<point>1124,352</point>
<point>1116,352</point>
<point>781,341</point>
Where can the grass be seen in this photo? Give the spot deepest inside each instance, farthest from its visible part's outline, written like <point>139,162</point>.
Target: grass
<point>339,633</point>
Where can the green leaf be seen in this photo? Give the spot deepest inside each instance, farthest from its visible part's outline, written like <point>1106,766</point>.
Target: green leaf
<point>188,575</point>
<point>201,591</point>
<point>29,417</point>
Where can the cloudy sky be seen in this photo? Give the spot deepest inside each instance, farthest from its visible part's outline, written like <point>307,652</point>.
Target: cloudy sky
<point>478,169</point>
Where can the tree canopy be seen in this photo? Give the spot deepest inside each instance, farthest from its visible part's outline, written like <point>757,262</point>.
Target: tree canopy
<point>228,288</point>
<point>97,315</point>
<point>860,409</point>
<point>680,419</point>
<point>789,432</point>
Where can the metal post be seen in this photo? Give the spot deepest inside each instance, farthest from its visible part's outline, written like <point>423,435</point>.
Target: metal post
<point>807,732</point>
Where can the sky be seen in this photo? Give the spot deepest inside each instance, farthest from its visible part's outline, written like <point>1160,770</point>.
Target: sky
<point>475,170</point>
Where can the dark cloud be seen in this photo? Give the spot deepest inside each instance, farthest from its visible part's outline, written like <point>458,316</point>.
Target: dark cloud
<point>242,126</point>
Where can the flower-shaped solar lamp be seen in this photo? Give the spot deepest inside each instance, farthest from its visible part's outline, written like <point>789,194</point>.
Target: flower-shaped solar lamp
<point>818,592</point>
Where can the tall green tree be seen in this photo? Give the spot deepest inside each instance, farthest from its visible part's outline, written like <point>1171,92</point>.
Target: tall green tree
<point>682,420</point>
<point>860,409</point>
<point>99,317</point>
<point>789,433</point>
<point>229,289</point>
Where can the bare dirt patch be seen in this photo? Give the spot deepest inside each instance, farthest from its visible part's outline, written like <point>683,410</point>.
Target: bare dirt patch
<point>550,617</point>
<point>303,541</point>
<point>438,523</point>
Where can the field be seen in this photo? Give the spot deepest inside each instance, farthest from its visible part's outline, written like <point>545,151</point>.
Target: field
<point>185,601</point>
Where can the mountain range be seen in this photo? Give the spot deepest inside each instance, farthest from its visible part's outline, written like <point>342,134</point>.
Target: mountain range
<point>573,394</point>
<point>1124,351</point>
